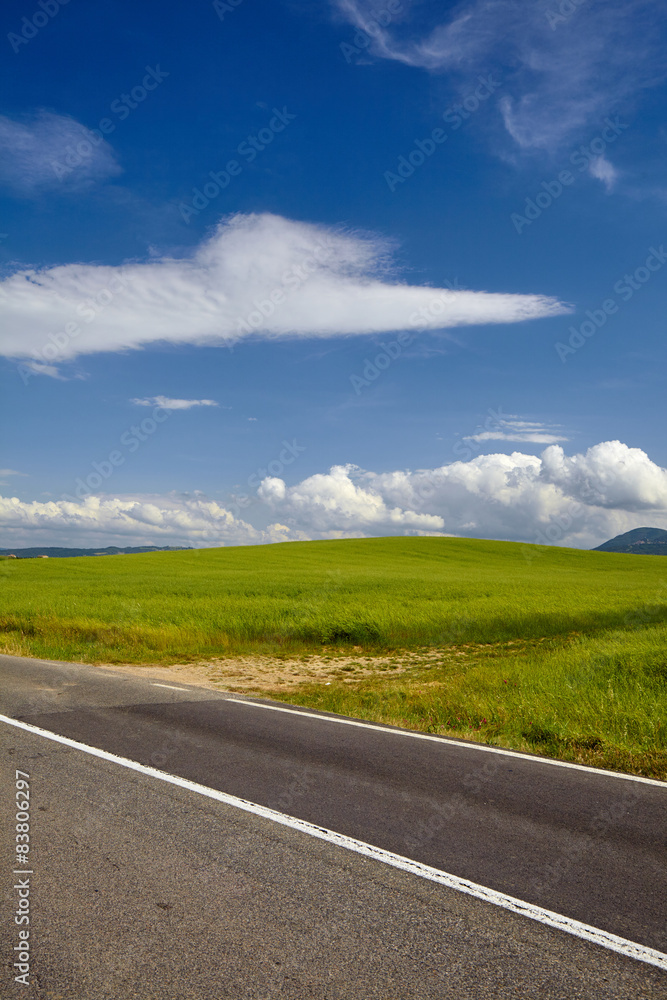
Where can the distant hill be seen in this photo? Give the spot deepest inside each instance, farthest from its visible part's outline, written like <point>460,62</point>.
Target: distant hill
<point>639,541</point>
<point>111,550</point>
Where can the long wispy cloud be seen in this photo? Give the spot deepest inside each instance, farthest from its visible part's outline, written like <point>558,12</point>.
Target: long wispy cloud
<point>47,151</point>
<point>5,475</point>
<point>166,403</point>
<point>511,428</point>
<point>256,276</point>
<point>560,73</point>
<point>579,500</point>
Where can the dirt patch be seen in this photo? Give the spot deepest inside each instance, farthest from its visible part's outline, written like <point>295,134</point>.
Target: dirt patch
<point>272,673</point>
<point>267,673</point>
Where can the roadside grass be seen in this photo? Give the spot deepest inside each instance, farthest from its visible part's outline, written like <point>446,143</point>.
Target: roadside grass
<point>553,650</point>
<point>598,700</point>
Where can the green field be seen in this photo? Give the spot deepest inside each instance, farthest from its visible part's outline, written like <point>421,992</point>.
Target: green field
<point>556,650</point>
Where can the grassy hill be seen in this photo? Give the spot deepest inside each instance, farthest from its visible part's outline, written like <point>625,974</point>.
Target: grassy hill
<point>379,593</point>
<point>564,651</point>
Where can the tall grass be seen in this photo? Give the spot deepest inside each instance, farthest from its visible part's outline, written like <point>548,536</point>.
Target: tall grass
<point>380,593</point>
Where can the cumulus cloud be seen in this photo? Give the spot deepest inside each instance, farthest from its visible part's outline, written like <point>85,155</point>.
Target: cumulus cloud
<point>257,275</point>
<point>335,502</point>
<point>99,520</point>
<point>173,404</point>
<point>578,500</point>
<point>47,151</point>
<point>610,474</point>
<point>560,72</point>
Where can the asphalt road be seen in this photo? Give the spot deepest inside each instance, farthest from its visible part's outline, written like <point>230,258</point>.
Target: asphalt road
<point>144,889</point>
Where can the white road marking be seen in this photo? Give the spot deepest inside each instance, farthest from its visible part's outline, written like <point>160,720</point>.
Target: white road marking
<point>630,949</point>
<point>418,736</point>
<point>461,744</point>
<point>170,686</point>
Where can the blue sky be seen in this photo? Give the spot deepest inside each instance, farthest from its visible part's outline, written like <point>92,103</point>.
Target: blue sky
<point>281,270</point>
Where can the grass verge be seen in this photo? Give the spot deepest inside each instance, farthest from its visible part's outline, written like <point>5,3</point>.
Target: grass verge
<point>599,700</point>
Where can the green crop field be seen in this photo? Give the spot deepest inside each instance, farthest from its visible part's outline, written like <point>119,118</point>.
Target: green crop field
<point>560,651</point>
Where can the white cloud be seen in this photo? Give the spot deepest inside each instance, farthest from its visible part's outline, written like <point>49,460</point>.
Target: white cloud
<point>579,500</point>
<point>48,151</point>
<point>532,437</point>
<point>99,520</point>
<point>335,502</point>
<point>604,171</point>
<point>512,429</point>
<point>257,275</point>
<point>40,368</point>
<point>558,75</point>
<point>611,474</point>
<point>173,404</point>
<point>5,474</point>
